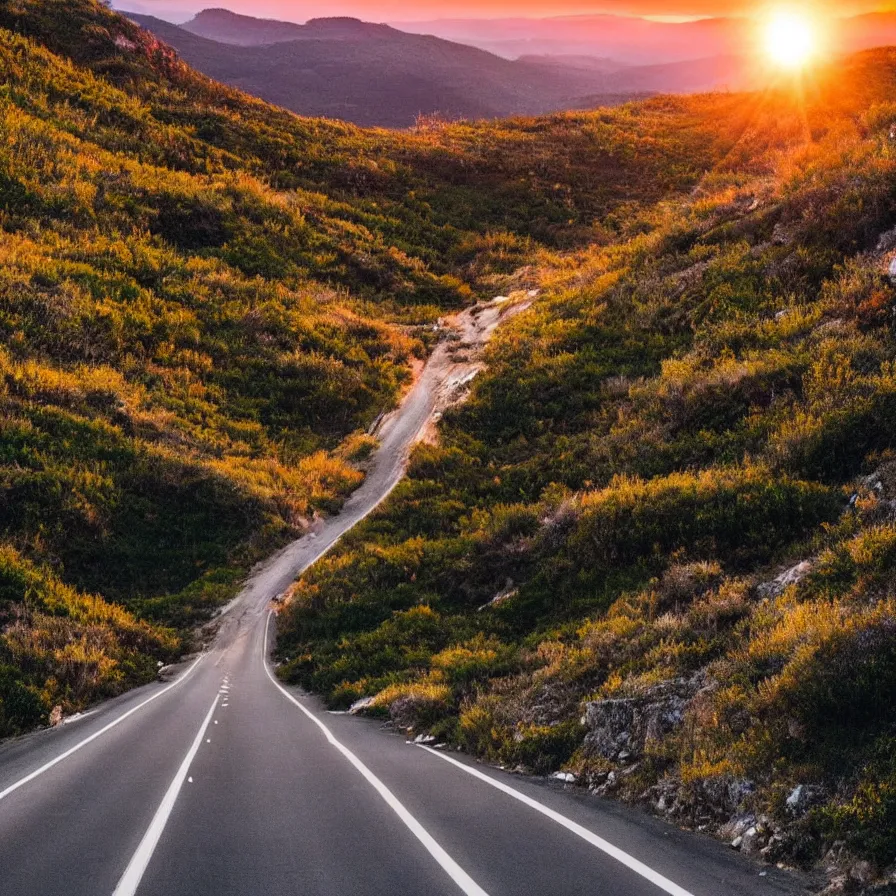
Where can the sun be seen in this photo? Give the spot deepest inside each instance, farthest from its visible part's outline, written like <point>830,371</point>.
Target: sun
<point>790,39</point>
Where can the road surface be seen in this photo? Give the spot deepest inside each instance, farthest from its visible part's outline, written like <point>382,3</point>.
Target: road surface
<point>221,782</point>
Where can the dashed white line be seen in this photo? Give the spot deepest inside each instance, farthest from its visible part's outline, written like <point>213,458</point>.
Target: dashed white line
<point>460,877</point>
<point>64,755</point>
<point>604,846</point>
<point>133,874</point>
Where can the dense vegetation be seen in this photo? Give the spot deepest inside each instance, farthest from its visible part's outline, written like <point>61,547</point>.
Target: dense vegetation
<point>202,299</point>
<point>584,573</point>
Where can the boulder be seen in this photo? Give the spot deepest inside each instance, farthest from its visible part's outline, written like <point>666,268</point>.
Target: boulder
<point>565,777</point>
<point>802,798</point>
<point>622,727</point>
<point>781,583</point>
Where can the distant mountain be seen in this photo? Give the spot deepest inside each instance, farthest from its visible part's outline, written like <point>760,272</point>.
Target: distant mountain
<point>876,29</point>
<point>590,63</point>
<point>231,28</point>
<point>635,40</point>
<point>377,75</point>
<point>372,74</point>
<point>624,38</point>
<point>690,76</point>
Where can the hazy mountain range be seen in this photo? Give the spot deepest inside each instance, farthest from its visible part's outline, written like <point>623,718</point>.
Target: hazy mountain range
<point>378,75</point>
<point>636,40</point>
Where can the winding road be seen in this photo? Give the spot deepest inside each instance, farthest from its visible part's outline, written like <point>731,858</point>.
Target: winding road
<point>222,782</point>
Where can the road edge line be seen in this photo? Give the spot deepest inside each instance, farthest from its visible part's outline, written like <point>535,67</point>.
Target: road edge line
<point>604,846</point>
<point>71,750</point>
<point>133,874</point>
<point>449,866</point>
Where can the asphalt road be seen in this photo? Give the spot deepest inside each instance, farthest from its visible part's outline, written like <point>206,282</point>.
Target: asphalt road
<point>222,782</point>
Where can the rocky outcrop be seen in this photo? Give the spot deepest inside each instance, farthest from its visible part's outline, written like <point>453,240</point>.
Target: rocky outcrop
<point>622,728</point>
<point>781,583</point>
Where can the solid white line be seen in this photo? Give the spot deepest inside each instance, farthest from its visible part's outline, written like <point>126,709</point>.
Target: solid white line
<point>133,874</point>
<point>454,871</point>
<point>614,851</point>
<point>48,765</point>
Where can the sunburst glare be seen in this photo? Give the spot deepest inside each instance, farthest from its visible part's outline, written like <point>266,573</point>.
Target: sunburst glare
<point>790,39</point>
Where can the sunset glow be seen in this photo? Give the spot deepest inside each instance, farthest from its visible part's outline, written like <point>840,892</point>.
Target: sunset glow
<point>790,39</point>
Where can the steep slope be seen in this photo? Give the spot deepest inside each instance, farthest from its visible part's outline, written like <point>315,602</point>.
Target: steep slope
<point>204,300</point>
<point>654,548</point>
<point>376,75</point>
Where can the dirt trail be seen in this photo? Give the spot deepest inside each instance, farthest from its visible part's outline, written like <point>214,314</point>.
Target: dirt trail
<point>444,380</point>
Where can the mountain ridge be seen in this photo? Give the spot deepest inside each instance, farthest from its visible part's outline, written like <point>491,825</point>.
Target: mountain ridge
<point>375,75</point>
<point>229,27</point>
<point>388,79</point>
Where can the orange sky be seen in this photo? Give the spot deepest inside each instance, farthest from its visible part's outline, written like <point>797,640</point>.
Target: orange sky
<point>416,10</point>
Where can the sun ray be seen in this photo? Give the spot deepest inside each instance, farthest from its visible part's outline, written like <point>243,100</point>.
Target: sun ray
<point>790,39</point>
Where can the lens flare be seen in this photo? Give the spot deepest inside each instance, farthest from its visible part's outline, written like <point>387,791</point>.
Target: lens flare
<point>790,39</point>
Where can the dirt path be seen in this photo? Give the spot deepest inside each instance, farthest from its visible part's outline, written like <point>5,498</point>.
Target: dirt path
<point>445,380</point>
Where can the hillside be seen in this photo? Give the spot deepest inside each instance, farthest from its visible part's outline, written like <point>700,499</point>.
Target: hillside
<point>205,300</point>
<point>371,74</point>
<point>654,548</point>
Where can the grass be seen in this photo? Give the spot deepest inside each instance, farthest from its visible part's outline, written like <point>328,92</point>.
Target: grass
<point>205,301</point>
<point>697,402</point>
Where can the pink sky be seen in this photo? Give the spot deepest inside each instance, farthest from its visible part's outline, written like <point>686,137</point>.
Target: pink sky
<point>416,10</point>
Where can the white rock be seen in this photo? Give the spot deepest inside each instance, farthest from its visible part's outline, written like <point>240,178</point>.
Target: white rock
<point>566,777</point>
<point>424,739</point>
<point>792,576</point>
<point>748,840</point>
<point>796,798</point>
<point>360,705</point>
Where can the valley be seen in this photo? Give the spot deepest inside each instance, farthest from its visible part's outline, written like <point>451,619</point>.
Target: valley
<point>642,548</point>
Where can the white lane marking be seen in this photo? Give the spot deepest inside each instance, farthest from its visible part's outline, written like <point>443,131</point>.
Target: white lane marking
<point>604,846</point>
<point>133,874</point>
<point>48,765</point>
<point>460,877</point>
